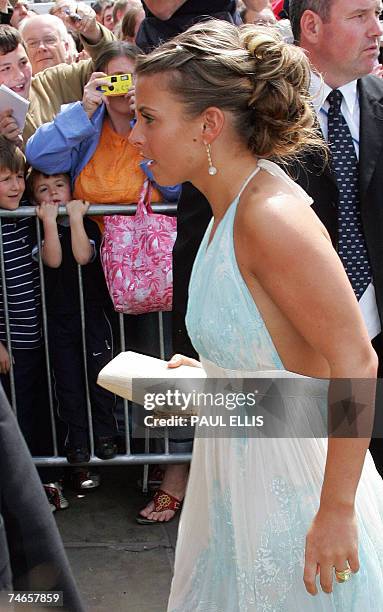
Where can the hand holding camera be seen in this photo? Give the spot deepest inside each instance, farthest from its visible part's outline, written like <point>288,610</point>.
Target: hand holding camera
<point>81,18</point>
<point>101,86</point>
<point>93,96</point>
<point>73,16</point>
<point>131,96</point>
<point>118,85</point>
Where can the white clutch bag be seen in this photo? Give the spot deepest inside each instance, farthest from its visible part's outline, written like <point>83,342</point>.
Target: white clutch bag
<point>133,375</point>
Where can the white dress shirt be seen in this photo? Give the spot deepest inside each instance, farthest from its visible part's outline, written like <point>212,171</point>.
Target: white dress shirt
<point>351,112</point>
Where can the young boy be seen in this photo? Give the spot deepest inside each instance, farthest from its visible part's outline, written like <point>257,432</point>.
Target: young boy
<point>22,289</point>
<point>23,298</point>
<point>68,241</point>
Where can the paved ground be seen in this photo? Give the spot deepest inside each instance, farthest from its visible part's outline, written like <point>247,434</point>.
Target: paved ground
<point>120,566</point>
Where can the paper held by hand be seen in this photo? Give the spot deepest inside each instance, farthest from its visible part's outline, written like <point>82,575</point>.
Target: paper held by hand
<point>19,105</point>
<point>118,375</point>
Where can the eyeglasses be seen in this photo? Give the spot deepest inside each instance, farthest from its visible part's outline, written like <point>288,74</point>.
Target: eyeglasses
<point>48,41</point>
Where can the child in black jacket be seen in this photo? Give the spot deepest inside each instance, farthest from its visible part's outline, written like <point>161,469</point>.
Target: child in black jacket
<point>69,241</point>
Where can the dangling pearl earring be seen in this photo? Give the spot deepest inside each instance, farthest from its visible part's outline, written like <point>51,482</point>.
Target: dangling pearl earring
<point>212,169</point>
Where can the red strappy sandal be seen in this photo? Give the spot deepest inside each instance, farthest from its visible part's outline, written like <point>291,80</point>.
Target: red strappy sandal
<point>162,501</point>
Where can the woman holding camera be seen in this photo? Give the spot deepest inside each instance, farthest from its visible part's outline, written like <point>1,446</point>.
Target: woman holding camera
<point>89,139</point>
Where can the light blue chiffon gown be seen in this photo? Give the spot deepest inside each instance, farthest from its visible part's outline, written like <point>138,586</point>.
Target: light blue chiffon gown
<point>250,500</point>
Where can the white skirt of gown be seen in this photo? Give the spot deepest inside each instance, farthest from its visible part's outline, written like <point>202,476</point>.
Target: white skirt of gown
<point>247,510</point>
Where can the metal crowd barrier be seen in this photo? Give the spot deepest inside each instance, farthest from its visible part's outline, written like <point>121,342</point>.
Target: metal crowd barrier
<point>144,458</point>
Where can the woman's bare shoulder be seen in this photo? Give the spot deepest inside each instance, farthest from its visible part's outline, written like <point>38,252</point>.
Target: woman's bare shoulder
<point>272,209</point>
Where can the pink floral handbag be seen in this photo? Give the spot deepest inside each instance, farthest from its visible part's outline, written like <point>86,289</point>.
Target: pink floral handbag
<point>136,256</point>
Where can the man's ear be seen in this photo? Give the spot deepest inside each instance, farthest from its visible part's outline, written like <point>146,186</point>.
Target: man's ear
<point>311,25</point>
<point>212,122</point>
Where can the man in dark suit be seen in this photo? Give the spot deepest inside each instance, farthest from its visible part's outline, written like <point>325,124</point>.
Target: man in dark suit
<point>341,38</point>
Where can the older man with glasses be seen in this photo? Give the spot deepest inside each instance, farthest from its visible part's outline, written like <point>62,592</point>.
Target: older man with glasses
<point>46,40</point>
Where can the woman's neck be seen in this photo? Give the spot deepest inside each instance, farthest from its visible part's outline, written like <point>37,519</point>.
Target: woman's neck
<point>220,190</point>
<point>120,123</point>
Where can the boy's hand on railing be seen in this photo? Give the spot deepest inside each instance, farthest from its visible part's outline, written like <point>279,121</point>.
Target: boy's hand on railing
<point>82,248</point>
<point>178,360</point>
<point>47,212</point>
<point>5,363</point>
<point>77,208</point>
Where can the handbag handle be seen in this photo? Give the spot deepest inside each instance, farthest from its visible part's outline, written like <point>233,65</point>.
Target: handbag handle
<point>145,198</point>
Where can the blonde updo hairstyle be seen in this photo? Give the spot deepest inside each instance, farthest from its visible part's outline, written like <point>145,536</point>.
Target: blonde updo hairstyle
<point>248,71</point>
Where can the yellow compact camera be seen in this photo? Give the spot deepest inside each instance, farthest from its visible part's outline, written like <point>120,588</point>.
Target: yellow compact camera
<point>119,85</point>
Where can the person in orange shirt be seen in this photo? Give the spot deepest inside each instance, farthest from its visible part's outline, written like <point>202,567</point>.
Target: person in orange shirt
<point>89,139</point>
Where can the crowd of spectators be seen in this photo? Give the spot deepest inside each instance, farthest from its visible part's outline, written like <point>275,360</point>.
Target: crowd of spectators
<point>48,60</point>
<point>36,63</point>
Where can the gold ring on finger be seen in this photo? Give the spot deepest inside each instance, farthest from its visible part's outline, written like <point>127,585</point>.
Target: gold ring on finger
<point>344,575</point>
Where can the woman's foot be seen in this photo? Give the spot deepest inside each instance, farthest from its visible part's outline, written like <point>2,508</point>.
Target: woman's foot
<point>173,484</point>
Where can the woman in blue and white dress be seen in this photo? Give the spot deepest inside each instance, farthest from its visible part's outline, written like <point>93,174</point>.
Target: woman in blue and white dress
<point>270,524</point>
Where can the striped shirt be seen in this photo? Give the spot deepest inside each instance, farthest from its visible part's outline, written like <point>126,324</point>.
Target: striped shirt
<point>22,284</point>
